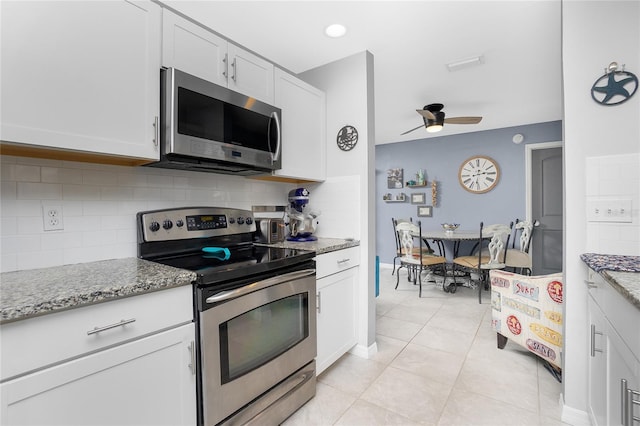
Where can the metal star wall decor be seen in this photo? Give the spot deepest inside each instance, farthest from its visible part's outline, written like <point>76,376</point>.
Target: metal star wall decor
<point>620,86</point>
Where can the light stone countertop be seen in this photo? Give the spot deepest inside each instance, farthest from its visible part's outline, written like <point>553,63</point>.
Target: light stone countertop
<point>28,293</point>
<point>321,246</point>
<point>621,272</point>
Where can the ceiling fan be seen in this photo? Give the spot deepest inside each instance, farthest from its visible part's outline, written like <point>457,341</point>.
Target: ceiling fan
<point>434,120</point>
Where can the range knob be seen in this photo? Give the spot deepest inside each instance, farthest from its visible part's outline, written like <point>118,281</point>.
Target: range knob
<point>232,220</point>
<point>240,220</point>
<point>249,221</point>
<point>179,223</point>
<point>167,224</point>
<point>154,226</point>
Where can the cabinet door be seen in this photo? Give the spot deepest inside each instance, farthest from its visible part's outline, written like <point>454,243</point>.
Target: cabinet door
<point>145,382</point>
<point>622,364</point>
<point>597,380</point>
<point>303,128</point>
<point>249,74</point>
<point>82,76</point>
<point>193,49</point>
<point>336,320</point>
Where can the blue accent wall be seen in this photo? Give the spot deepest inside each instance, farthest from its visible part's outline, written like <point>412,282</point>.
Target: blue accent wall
<point>441,157</point>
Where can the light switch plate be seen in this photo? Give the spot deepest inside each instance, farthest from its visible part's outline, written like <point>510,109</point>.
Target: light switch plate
<point>609,210</point>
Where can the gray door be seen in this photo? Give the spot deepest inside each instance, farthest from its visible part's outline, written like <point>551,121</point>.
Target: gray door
<point>546,206</point>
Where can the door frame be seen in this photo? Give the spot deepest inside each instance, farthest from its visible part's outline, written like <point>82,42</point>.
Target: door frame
<point>529,148</point>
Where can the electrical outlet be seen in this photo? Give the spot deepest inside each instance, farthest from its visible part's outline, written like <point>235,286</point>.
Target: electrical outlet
<point>52,217</point>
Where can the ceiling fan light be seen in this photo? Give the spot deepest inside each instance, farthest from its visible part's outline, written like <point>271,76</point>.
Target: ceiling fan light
<point>434,128</point>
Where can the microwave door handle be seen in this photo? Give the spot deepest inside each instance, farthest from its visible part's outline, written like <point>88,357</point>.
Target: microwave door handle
<point>276,155</point>
<point>259,285</point>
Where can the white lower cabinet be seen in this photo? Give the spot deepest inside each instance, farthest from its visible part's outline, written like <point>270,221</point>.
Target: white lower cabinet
<point>336,305</point>
<point>614,351</point>
<point>128,361</point>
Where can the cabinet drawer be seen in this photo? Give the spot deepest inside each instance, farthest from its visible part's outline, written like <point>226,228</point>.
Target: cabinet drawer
<point>336,261</point>
<point>37,342</point>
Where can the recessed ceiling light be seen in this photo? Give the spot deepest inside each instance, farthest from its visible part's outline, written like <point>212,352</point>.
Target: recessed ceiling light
<point>335,30</point>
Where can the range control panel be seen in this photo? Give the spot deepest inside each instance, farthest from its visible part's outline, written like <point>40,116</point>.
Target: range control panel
<point>193,222</point>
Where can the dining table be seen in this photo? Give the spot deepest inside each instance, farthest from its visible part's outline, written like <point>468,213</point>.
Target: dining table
<point>457,237</point>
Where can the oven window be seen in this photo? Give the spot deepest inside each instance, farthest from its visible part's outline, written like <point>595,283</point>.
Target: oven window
<point>260,335</point>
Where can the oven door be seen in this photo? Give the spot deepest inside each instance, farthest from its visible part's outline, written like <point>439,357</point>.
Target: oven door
<point>254,337</point>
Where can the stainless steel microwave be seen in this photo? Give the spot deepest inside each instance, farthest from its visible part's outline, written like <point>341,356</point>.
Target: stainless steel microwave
<point>208,127</point>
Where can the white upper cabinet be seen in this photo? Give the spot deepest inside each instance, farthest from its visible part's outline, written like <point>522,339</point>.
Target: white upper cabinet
<point>193,49</point>
<point>303,128</point>
<point>82,76</point>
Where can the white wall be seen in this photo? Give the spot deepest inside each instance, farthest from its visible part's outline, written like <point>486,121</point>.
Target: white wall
<point>348,84</point>
<point>99,205</point>
<point>595,33</point>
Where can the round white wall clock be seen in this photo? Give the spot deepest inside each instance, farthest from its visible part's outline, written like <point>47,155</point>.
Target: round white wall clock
<point>479,174</point>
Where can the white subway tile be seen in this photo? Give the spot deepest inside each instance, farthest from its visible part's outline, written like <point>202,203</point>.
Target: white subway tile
<point>132,179</point>
<point>147,194</point>
<point>8,225</point>
<point>8,262</point>
<point>8,172</point>
<point>98,238</point>
<point>39,191</point>
<point>9,190</point>
<point>27,173</point>
<point>60,241</point>
<point>31,225</point>
<point>15,244</point>
<point>98,177</point>
<point>61,175</point>
<point>80,192</point>
<point>115,222</point>
<point>44,259</point>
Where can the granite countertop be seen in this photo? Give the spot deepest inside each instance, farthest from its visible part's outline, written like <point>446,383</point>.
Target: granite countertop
<point>29,293</point>
<point>24,294</point>
<point>621,272</point>
<point>322,245</point>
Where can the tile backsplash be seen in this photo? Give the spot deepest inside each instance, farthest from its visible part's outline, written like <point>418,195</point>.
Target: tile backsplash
<point>614,177</point>
<point>99,203</point>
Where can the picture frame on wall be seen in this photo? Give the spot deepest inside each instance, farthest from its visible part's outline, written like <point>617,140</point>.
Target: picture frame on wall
<point>425,211</point>
<point>418,198</point>
<point>395,178</point>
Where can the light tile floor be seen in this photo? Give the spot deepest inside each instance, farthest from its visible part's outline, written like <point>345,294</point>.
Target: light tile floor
<point>437,364</point>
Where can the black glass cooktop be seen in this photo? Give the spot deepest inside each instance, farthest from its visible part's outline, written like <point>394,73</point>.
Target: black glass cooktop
<point>215,265</point>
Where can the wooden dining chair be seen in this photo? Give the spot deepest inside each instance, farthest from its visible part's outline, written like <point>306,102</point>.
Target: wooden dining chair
<point>416,257</point>
<point>518,258</point>
<point>490,252</point>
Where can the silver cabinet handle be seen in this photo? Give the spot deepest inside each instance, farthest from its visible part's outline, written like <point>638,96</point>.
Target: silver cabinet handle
<point>590,284</point>
<point>340,262</point>
<point>234,76</point>
<point>593,340</point>
<point>225,71</point>
<point>628,402</point>
<point>259,285</point>
<point>319,302</point>
<point>192,355</point>
<point>156,131</point>
<point>108,327</point>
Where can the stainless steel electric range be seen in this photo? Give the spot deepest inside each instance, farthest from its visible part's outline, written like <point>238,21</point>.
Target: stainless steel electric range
<point>254,309</point>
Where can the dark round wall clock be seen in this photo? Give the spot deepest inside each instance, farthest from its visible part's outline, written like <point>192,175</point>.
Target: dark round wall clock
<point>347,138</point>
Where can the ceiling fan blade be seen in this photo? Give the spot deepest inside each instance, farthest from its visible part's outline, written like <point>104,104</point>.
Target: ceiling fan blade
<point>409,131</point>
<point>463,120</point>
<point>426,114</point>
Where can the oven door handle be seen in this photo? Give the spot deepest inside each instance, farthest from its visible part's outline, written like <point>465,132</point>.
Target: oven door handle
<point>259,285</point>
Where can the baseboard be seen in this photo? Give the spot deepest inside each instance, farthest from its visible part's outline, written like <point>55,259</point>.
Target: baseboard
<point>386,265</point>
<point>573,416</point>
<point>364,351</point>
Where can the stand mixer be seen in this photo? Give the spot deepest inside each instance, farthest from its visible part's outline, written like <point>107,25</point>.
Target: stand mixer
<point>302,221</point>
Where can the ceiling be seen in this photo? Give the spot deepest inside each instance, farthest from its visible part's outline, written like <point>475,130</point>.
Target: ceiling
<point>518,81</point>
